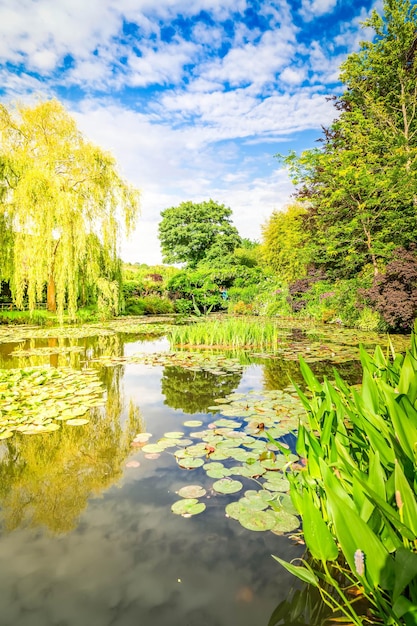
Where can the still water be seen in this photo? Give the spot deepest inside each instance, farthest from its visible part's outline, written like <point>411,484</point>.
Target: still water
<point>88,537</point>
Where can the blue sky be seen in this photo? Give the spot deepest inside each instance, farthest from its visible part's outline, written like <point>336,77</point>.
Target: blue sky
<point>192,97</point>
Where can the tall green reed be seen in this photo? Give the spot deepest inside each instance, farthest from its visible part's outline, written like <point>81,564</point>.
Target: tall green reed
<point>358,492</point>
<point>229,332</point>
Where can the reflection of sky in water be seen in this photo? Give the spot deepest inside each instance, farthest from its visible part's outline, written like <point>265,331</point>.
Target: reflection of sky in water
<point>122,564</point>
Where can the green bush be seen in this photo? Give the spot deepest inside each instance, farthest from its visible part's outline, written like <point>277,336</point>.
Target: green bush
<point>155,305</point>
<point>134,306</point>
<point>183,306</point>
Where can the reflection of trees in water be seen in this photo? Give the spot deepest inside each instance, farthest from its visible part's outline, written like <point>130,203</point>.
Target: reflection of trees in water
<point>194,392</point>
<point>46,480</point>
<point>278,373</point>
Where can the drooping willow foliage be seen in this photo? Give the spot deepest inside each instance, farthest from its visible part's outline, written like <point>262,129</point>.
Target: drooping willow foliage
<point>61,207</point>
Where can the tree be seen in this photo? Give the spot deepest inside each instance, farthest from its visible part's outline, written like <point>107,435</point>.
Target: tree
<point>63,202</point>
<point>191,231</point>
<point>361,187</point>
<point>284,243</point>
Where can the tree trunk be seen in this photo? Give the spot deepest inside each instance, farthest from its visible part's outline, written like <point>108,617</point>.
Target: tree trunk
<point>51,295</point>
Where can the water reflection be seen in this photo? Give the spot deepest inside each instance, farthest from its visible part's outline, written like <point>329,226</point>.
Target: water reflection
<point>279,373</point>
<point>193,391</point>
<point>48,480</point>
<point>125,560</point>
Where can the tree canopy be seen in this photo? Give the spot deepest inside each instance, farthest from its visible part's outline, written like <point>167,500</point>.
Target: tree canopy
<point>61,208</point>
<point>360,188</point>
<point>284,243</point>
<point>193,232</point>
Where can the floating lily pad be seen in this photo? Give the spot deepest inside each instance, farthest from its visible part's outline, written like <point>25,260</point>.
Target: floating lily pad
<point>152,448</point>
<point>190,462</point>
<point>285,522</point>
<point>192,491</point>
<point>216,470</point>
<point>258,520</point>
<point>188,507</point>
<point>77,422</point>
<point>227,485</point>
<point>193,423</point>
<point>227,423</point>
<point>174,435</point>
<point>142,437</point>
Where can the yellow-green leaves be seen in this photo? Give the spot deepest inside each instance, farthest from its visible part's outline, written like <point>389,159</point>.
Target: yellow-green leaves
<point>64,202</point>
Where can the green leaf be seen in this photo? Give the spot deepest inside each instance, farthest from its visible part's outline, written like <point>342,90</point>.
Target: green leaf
<point>408,509</point>
<point>354,534</point>
<point>317,536</point>
<point>304,574</point>
<point>405,571</point>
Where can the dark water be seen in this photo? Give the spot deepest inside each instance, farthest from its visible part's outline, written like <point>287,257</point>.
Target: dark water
<point>87,541</point>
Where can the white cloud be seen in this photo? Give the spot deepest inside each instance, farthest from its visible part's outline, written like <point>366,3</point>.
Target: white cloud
<point>313,8</point>
<point>293,75</point>
<point>203,138</point>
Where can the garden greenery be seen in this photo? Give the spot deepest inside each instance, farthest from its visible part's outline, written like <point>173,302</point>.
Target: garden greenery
<point>357,494</point>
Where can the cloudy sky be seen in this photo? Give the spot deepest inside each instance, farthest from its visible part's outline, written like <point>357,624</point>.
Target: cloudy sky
<point>192,97</point>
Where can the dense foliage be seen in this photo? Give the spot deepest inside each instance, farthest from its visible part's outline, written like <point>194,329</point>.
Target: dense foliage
<point>357,492</point>
<point>62,200</point>
<point>193,232</point>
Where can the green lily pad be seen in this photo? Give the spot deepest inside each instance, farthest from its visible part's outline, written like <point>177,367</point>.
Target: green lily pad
<point>282,485</point>
<point>193,423</point>
<point>258,520</point>
<point>227,485</point>
<point>77,422</point>
<point>216,470</point>
<point>174,435</point>
<point>153,448</point>
<point>192,491</point>
<point>188,507</point>
<point>190,462</point>
<point>285,522</point>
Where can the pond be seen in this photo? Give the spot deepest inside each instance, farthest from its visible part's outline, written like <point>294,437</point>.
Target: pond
<point>88,536</point>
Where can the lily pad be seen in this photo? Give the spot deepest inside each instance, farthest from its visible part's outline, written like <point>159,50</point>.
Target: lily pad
<point>193,423</point>
<point>227,485</point>
<point>258,520</point>
<point>188,507</point>
<point>77,422</point>
<point>174,435</point>
<point>192,491</point>
<point>285,522</point>
<point>190,462</point>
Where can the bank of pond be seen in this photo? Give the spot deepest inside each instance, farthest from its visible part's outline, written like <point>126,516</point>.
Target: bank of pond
<point>146,470</point>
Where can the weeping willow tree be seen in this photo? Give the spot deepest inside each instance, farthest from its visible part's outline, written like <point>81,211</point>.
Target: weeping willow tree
<point>62,207</point>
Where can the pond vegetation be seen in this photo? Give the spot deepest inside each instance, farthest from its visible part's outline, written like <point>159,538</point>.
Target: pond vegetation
<point>241,446</point>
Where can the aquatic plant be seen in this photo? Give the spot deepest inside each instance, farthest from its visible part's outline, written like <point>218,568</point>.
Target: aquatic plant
<point>228,332</point>
<point>357,494</point>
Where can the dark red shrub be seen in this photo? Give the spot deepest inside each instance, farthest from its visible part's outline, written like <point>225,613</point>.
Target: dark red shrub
<point>394,293</point>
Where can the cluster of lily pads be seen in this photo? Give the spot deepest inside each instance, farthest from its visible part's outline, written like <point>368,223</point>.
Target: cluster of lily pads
<point>195,361</point>
<point>129,325</point>
<point>235,449</point>
<point>46,350</point>
<point>338,345</point>
<point>37,400</point>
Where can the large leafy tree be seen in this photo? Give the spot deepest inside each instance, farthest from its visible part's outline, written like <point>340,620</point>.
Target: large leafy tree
<point>192,232</point>
<point>62,203</point>
<point>361,187</point>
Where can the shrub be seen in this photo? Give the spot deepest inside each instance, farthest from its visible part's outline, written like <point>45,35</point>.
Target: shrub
<point>135,306</point>
<point>155,305</point>
<point>394,293</point>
